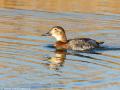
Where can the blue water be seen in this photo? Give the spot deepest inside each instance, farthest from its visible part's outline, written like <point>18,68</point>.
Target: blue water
<point>28,60</point>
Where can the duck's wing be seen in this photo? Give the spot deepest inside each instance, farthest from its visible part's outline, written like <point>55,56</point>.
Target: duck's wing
<point>82,44</point>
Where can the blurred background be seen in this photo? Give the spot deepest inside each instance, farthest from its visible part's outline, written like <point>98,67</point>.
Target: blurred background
<point>92,6</point>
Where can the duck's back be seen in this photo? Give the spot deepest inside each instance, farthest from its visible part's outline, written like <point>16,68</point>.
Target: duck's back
<point>82,44</point>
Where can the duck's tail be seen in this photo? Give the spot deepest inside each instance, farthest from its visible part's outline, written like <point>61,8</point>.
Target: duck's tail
<point>100,42</point>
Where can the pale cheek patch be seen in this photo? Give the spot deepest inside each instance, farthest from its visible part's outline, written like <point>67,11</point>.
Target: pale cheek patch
<point>58,38</point>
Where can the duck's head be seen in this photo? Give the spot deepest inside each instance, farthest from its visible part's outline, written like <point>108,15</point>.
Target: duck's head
<point>58,32</point>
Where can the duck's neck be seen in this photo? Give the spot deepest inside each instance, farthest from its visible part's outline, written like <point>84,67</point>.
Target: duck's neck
<point>61,38</point>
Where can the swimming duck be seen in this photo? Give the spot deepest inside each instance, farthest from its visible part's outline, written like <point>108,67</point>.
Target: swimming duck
<point>79,44</point>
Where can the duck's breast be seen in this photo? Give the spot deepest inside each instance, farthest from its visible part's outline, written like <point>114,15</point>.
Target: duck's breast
<point>61,45</point>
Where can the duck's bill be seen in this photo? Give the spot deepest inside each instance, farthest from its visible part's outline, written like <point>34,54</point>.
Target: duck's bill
<point>46,34</point>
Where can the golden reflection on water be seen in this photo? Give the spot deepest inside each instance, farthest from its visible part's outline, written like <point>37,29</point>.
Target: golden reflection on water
<point>91,6</point>
<point>57,61</point>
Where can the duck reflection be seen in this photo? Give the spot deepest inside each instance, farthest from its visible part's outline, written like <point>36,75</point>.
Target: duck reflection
<point>57,61</point>
<point>59,57</point>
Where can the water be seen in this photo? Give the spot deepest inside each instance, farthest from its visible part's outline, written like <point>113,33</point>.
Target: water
<point>27,59</point>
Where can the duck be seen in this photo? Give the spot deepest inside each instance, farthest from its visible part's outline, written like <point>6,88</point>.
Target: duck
<point>78,44</point>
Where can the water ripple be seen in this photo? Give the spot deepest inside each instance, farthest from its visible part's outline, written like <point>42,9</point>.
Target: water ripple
<point>29,60</point>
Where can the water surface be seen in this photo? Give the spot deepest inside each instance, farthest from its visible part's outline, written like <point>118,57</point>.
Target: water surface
<point>27,59</point>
